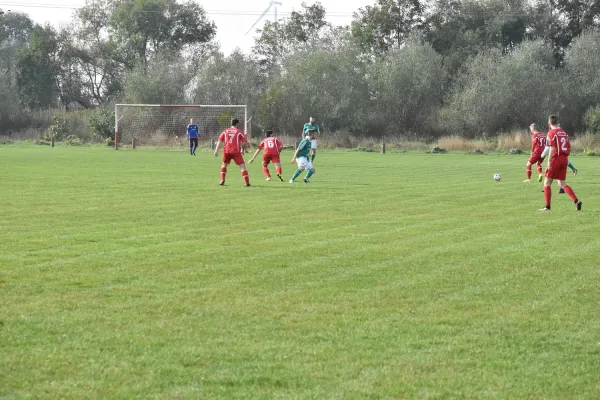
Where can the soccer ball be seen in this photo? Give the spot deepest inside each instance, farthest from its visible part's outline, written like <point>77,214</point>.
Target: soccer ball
<point>497,177</point>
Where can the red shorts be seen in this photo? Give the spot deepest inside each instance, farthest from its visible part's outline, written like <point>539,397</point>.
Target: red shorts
<point>536,158</point>
<point>558,168</point>
<point>236,157</point>
<point>274,158</point>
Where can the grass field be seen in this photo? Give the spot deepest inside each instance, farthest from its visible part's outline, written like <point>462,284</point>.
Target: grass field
<point>132,274</point>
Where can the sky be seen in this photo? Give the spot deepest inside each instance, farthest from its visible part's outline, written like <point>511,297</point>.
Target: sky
<point>232,17</point>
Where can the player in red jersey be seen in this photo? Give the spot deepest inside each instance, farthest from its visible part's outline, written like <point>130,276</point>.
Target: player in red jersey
<point>558,148</point>
<point>235,142</point>
<point>538,144</point>
<point>272,147</point>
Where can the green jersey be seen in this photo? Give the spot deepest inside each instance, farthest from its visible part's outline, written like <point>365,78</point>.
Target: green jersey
<point>304,148</point>
<point>308,126</point>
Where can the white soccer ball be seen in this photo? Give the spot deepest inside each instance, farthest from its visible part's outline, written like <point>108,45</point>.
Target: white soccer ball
<point>497,177</point>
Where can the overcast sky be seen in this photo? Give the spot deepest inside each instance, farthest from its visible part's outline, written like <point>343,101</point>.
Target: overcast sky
<point>232,17</point>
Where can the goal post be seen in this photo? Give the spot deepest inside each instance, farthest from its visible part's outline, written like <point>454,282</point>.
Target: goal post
<point>165,124</point>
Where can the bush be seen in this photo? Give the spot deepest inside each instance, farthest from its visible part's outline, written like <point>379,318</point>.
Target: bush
<point>592,119</point>
<point>101,124</point>
<point>498,93</point>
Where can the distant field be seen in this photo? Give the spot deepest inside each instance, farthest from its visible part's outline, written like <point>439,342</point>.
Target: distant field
<point>132,274</point>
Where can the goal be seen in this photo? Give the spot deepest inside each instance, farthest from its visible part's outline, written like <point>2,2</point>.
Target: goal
<point>165,124</point>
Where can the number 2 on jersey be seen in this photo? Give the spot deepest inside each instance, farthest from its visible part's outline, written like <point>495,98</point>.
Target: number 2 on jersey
<point>563,143</point>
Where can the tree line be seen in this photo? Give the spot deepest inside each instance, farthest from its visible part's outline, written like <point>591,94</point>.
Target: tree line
<point>401,67</point>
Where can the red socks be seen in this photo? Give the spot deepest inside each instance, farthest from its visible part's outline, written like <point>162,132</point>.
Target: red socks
<point>547,195</point>
<point>539,168</point>
<point>266,172</point>
<point>245,176</point>
<point>223,173</point>
<point>570,192</point>
<point>528,169</point>
<point>278,169</point>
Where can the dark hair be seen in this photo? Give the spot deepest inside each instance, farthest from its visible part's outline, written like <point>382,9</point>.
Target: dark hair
<point>269,133</point>
<point>234,122</point>
<point>553,119</point>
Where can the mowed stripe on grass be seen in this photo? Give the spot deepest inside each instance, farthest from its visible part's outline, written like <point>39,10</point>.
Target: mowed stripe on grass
<point>133,274</point>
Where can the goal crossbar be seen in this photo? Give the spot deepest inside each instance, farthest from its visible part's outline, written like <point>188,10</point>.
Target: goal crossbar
<point>147,119</point>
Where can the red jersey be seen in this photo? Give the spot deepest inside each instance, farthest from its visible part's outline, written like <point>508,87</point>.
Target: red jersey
<point>233,139</point>
<point>538,143</point>
<point>559,139</point>
<point>272,146</point>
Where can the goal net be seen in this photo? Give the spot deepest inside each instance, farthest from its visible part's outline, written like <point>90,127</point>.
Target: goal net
<point>161,124</point>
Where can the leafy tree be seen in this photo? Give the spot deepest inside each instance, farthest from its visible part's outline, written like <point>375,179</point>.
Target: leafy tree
<point>387,24</point>
<point>304,30</point>
<point>407,87</point>
<point>229,80</point>
<point>498,93</point>
<point>15,32</point>
<point>162,79</point>
<point>95,53</point>
<point>146,27</point>
<point>38,69</point>
<point>328,85</point>
<point>581,69</point>
<point>461,29</point>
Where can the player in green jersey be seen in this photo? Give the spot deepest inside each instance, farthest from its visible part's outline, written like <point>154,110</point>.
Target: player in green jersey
<point>301,157</point>
<point>311,124</point>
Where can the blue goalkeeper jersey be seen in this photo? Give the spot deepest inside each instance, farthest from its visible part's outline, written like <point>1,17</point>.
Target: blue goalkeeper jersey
<point>192,131</point>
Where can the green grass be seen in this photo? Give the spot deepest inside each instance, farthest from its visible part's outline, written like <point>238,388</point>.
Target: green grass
<point>132,274</point>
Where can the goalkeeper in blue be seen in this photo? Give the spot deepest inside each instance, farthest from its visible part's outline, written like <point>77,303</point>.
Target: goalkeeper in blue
<point>192,134</point>
<point>311,124</point>
<point>301,158</point>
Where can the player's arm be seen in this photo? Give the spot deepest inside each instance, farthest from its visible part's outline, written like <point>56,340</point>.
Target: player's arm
<point>218,145</point>
<point>187,132</point>
<point>296,152</point>
<point>546,150</point>
<point>255,154</point>
<point>533,142</point>
<point>551,151</point>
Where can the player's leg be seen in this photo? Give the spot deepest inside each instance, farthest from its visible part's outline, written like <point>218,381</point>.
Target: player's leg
<point>528,172</point>
<point>562,181</point>
<point>313,149</point>
<point>195,146</point>
<point>301,161</point>
<point>538,164</point>
<point>266,161</point>
<point>311,171</point>
<point>572,167</point>
<point>191,146</point>
<point>547,193</point>
<point>239,160</point>
<point>279,170</point>
<point>223,173</point>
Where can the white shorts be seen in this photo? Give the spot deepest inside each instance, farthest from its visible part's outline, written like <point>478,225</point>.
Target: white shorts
<point>303,163</point>
<point>313,144</point>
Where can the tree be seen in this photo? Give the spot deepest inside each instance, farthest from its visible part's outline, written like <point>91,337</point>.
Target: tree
<point>235,79</point>
<point>146,27</point>
<point>96,53</point>
<point>581,70</point>
<point>38,70</point>
<point>459,30</point>
<point>406,87</point>
<point>502,92</point>
<point>163,79</point>
<point>304,30</point>
<point>561,21</point>
<point>328,85</point>
<point>15,32</point>
<point>387,24</point>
